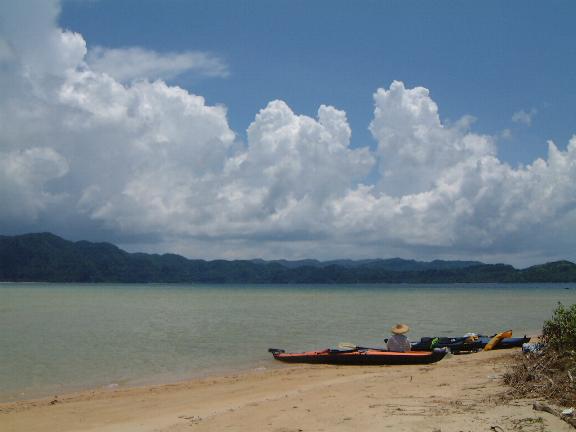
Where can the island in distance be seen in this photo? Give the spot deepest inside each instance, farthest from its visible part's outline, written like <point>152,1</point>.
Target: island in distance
<point>45,257</point>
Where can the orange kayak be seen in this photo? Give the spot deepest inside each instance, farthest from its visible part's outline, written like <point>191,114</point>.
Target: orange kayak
<point>360,357</point>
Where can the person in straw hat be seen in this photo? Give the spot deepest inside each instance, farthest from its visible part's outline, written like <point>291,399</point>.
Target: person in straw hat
<point>399,342</point>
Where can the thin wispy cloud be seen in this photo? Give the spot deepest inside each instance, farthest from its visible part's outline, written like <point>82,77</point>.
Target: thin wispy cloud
<point>524,117</point>
<point>128,64</point>
<point>506,134</point>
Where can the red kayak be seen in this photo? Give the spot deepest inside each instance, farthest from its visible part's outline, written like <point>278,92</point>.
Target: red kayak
<point>360,357</point>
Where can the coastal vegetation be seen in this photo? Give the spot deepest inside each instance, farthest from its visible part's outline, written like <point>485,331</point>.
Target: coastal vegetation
<point>549,373</point>
<point>45,257</point>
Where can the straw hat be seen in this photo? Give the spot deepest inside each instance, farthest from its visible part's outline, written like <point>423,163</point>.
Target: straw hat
<point>400,329</point>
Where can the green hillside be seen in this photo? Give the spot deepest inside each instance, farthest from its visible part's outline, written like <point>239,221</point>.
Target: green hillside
<point>45,257</point>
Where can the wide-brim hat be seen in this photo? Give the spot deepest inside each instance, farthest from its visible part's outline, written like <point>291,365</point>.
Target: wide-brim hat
<point>400,329</point>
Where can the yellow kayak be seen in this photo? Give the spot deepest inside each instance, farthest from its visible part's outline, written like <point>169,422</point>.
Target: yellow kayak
<point>496,339</point>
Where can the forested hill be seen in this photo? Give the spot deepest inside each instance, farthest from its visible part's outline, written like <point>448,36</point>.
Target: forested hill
<point>45,257</point>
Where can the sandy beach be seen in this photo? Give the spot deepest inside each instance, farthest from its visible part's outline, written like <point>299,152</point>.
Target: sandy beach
<point>460,393</point>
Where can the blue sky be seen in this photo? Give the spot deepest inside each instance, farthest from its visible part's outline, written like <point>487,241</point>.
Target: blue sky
<point>487,59</point>
<point>292,129</point>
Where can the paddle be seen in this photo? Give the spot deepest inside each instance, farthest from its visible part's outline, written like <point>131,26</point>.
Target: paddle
<point>351,346</point>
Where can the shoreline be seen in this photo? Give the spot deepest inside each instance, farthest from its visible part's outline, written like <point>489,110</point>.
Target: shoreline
<point>143,385</point>
<point>140,382</point>
<point>458,393</point>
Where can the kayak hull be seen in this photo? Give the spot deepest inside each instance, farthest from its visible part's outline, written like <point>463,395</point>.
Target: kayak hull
<point>360,357</point>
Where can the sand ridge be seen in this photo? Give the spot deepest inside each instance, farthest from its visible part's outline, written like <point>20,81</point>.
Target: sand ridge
<point>460,393</point>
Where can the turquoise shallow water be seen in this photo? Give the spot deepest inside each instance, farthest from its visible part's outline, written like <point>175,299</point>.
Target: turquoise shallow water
<point>63,337</point>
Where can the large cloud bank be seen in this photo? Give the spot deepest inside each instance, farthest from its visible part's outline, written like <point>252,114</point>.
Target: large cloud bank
<point>88,147</point>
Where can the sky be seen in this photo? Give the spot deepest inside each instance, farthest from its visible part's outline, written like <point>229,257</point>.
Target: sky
<point>292,129</point>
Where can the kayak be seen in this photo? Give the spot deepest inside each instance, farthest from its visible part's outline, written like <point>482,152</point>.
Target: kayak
<point>504,343</point>
<point>496,339</point>
<point>457,344</point>
<point>360,357</point>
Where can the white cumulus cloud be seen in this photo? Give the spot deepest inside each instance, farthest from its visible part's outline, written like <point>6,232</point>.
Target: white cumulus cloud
<point>413,144</point>
<point>85,145</point>
<point>23,175</point>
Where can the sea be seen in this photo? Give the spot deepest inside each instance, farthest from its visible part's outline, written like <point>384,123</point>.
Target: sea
<point>61,338</point>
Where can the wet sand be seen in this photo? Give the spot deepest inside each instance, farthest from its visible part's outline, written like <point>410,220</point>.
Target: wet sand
<point>460,393</point>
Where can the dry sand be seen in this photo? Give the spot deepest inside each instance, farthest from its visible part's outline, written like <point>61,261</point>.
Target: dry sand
<point>460,393</point>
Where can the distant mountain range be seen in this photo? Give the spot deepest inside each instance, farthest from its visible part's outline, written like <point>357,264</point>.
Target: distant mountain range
<point>45,257</point>
<point>392,264</point>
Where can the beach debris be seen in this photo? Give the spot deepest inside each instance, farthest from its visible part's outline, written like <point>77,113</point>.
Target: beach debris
<point>568,411</point>
<point>540,406</point>
<point>547,375</point>
<point>191,419</point>
<point>532,347</point>
<point>54,401</point>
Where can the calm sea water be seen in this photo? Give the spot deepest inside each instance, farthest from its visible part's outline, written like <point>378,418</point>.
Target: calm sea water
<point>63,337</point>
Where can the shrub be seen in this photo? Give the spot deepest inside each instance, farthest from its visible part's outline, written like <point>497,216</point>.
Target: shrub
<point>559,333</point>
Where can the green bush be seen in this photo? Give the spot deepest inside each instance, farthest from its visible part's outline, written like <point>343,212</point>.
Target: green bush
<point>559,333</point>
